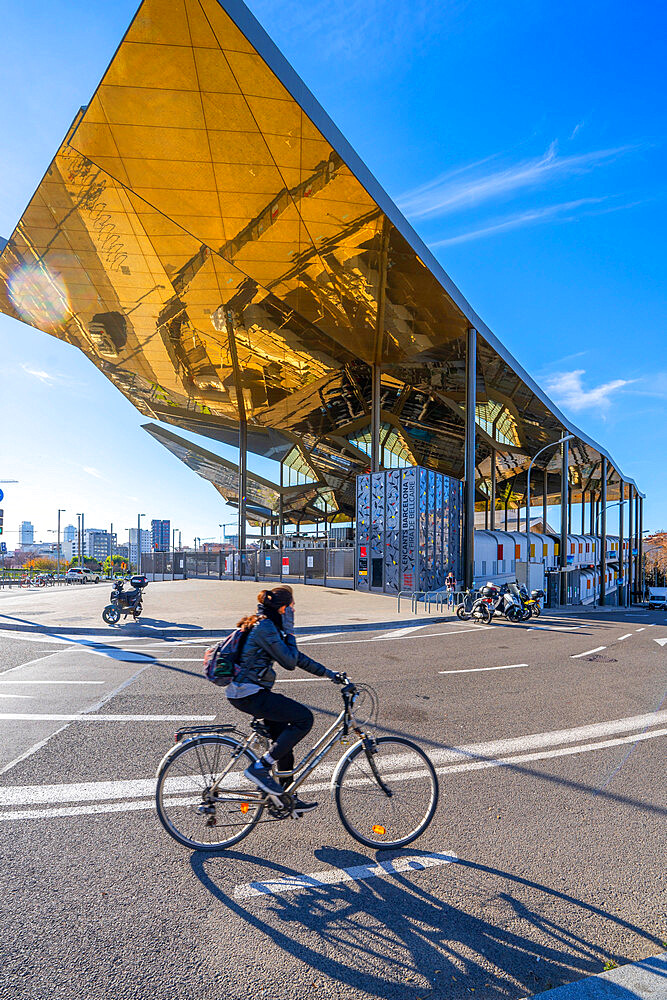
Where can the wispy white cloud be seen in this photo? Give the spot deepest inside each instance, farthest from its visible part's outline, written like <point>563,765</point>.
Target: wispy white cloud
<point>92,471</point>
<point>564,212</point>
<point>568,390</point>
<point>48,378</point>
<point>577,129</point>
<point>467,187</point>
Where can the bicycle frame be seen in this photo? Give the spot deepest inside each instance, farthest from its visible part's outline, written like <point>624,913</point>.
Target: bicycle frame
<point>339,728</point>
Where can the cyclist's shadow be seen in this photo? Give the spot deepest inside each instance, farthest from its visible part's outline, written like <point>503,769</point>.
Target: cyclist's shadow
<point>392,937</point>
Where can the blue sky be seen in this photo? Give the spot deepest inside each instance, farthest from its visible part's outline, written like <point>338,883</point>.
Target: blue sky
<point>525,142</point>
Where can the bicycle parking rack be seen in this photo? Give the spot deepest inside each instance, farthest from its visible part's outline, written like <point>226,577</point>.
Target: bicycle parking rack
<point>428,598</point>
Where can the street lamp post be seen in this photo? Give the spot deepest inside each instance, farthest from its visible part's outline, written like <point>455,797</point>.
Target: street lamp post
<point>173,552</point>
<point>79,526</point>
<point>139,517</point>
<point>553,444</point>
<point>61,510</point>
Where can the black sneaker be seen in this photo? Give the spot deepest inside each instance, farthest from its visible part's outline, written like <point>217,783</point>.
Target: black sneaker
<point>299,808</point>
<point>261,775</point>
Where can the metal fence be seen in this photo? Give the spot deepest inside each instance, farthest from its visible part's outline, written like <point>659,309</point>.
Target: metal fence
<point>316,566</point>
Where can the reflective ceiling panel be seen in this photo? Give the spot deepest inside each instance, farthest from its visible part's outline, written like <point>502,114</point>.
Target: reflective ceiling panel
<point>210,248</point>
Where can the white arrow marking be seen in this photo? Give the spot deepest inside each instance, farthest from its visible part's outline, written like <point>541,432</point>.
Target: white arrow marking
<point>661,642</point>
<point>336,876</point>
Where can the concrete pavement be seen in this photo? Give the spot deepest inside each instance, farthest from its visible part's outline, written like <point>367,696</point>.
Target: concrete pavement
<point>645,980</point>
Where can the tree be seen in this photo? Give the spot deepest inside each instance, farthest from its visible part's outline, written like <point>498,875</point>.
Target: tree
<point>43,565</point>
<point>114,564</point>
<point>87,563</point>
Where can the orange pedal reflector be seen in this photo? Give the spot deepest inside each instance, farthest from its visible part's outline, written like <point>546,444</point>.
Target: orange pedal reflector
<point>379,829</point>
<point>245,806</point>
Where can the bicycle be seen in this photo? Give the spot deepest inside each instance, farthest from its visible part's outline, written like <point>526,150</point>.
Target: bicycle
<point>385,788</point>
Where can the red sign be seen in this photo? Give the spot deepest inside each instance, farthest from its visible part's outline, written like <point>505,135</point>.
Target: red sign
<point>285,562</point>
<point>362,551</point>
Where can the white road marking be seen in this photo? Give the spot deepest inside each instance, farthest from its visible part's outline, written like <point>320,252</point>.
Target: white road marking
<point>476,670</point>
<point>553,628</point>
<point>652,625</point>
<point>299,680</point>
<point>477,765</point>
<point>424,635</point>
<point>598,649</point>
<point>338,876</point>
<point>88,717</point>
<point>31,663</point>
<point>661,642</point>
<point>642,629</point>
<point>30,697</point>
<point>178,659</point>
<point>494,754</point>
<point>628,635</point>
<point>91,708</point>
<point>398,633</point>
<point>54,681</point>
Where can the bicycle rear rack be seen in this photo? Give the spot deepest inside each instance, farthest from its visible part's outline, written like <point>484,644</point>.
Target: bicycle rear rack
<point>181,734</point>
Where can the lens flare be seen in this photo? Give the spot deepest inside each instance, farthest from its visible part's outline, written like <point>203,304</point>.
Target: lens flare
<point>39,297</point>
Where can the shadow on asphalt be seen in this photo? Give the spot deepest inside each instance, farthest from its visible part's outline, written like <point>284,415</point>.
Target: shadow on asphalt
<point>430,948</point>
<point>129,628</point>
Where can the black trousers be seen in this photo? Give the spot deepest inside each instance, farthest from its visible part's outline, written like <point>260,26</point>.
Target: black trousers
<point>287,720</point>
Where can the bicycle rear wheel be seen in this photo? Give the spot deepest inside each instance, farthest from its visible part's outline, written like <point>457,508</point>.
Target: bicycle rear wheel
<point>184,807</point>
<point>387,798</point>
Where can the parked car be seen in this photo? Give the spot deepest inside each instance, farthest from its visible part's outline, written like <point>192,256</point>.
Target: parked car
<point>657,602</point>
<point>82,575</point>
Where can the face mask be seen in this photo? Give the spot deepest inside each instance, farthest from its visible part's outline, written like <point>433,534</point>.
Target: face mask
<point>288,619</point>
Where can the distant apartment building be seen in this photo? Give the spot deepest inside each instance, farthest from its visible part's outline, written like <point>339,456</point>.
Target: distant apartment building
<point>69,534</point>
<point>145,541</point>
<point>160,540</point>
<point>97,544</point>
<point>26,533</point>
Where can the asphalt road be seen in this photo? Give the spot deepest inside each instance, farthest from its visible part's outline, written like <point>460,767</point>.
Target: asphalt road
<point>544,862</point>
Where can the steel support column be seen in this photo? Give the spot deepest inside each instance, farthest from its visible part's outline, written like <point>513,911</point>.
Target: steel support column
<point>564,493</point>
<point>640,551</point>
<point>545,501</point>
<point>603,534</point>
<point>243,441</point>
<point>469,512</point>
<point>621,541</point>
<point>583,512</point>
<point>376,458</point>
<point>569,510</point>
<point>631,546</point>
<point>493,490</point>
<point>592,512</point>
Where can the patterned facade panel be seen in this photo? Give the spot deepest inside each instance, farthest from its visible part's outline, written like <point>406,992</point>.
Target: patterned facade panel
<point>392,532</point>
<point>439,576</point>
<point>422,551</point>
<point>409,541</point>
<point>376,568</point>
<point>408,530</point>
<point>363,532</point>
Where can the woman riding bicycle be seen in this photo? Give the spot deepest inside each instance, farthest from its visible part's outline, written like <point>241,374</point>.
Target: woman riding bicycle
<point>270,638</point>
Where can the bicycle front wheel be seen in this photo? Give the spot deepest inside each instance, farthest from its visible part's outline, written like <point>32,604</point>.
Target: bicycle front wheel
<point>386,798</point>
<point>185,808</point>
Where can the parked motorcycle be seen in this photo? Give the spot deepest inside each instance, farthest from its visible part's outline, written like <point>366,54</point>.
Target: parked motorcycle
<point>531,602</point>
<point>473,609</point>
<point>502,600</point>
<point>125,602</point>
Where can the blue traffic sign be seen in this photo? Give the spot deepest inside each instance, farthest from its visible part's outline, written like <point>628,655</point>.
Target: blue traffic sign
<point>2,496</point>
<point>3,547</point>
